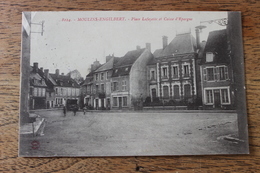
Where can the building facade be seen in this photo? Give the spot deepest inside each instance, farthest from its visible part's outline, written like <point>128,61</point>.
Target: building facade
<point>38,89</point>
<point>216,73</point>
<point>102,83</point>
<point>65,89</point>
<point>173,74</point>
<point>128,82</point>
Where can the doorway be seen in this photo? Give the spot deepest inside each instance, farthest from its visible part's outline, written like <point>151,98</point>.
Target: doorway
<point>217,99</point>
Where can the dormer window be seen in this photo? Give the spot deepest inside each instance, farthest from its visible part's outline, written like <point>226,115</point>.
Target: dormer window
<point>209,57</point>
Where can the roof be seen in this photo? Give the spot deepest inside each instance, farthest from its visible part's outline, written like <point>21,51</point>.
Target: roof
<point>108,65</point>
<point>64,81</point>
<point>123,66</point>
<point>218,45</point>
<point>129,58</point>
<point>37,80</point>
<point>181,44</point>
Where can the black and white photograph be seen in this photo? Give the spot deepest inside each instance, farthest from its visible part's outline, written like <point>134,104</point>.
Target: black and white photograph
<point>132,83</point>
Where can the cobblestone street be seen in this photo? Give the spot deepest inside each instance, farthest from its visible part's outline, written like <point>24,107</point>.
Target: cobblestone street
<point>132,133</point>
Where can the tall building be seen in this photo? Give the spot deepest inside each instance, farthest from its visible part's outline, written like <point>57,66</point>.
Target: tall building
<point>216,72</point>
<point>38,88</point>
<point>102,83</point>
<point>128,82</point>
<point>173,74</point>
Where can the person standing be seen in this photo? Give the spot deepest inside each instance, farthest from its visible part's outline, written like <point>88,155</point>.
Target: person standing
<point>64,111</point>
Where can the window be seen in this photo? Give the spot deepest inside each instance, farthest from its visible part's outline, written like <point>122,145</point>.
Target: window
<point>114,86</point>
<point>166,91</point>
<point>34,91</point>
<point>107,75</point>
<point>61,91</point>
<point>186,71</point>
<point>164,72</point>
<point>102,87</point>
<point>176,91</point>
<point>224,96</point>
<point>124,101</point>
<point>77,92</point>
<point>43,92</point>
<point>69,91</point>
<point>73,92</point>
<point>187,92</point>
<point>96,76</point>
<point>56,91</point>
<point>123,85</point>
<point>126,68</point>
<point>97,88</point>
<point>209,57</point>
<point>102,76</point>
<point>175,71</point>
<point>210,74</point>
<point>223,73</point>
<point>209,96</point>
<point>152,75</point>
<point>218,73</point>
<point>114,101</point>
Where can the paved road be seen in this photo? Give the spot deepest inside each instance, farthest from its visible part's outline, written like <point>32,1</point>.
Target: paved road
<point>118,133</point>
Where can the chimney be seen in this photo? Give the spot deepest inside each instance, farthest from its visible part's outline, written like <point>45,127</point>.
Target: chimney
<point>35,67</point>
<point>148,46</point>
<point>197,31</point>
<point>138,47</point>
<point>109,57</point>
<point>165,41</point>
<point>46,73</point>
<point>57,72</point>
<point>62,74</point>
<point>41,69</point>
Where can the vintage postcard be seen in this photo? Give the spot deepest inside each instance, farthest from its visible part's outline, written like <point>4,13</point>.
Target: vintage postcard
<point>101,83</point>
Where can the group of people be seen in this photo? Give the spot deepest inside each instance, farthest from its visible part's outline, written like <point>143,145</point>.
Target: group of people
<point>74,110</point>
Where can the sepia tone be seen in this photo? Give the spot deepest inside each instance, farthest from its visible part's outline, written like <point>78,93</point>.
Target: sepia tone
<point>10,95</point>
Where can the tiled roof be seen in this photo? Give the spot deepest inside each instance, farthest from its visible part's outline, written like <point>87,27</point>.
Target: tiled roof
<point>182,43</point>
<point>218,45</point>
<point>64,81</point>
<point>123,66</point>
<point>37,80</point>
<point>121,71</point>
<point>129,58</point>
<point>108,65</point>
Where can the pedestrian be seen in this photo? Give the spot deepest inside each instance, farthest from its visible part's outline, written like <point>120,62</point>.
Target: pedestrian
<point>75,110</point>
<point>85,109</point>
<point>64,111</point>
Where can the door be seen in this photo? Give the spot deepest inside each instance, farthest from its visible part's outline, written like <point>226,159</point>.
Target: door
<point>97,104</point>
<point>120,102</point>
<point>102,103</point>
<point>217,99</point>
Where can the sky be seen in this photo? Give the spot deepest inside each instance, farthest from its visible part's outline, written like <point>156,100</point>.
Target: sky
<point>68,43</point>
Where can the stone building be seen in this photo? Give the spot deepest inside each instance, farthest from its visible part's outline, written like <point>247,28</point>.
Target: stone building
<point>128,82</point>
<point>65,89</point>
<point>173,74</point>
<point>216,72</point>
<point>102,83</point>
<point>37,94</point>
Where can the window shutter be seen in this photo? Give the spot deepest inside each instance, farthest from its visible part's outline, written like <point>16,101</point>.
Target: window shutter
<point>226,72</point>
<point>215,73</point>
<point>205,74</point>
